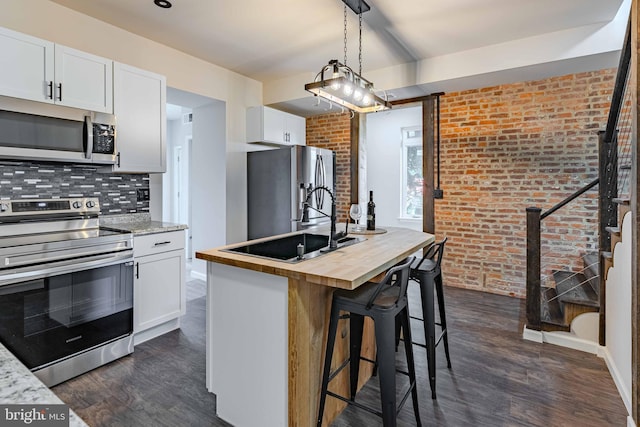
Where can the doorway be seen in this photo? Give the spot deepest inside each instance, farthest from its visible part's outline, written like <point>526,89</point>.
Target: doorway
<point>194,185</point>
<point>176,182</point>
<point>181,184</point>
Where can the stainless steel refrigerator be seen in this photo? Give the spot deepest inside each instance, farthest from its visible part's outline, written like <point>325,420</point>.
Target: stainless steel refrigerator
<point>278,182</point>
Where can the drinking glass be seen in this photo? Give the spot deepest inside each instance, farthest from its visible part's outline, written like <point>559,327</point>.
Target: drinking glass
<point>355,213</point>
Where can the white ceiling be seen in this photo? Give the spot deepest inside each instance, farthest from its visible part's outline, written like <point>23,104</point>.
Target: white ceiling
<point>270,40</point>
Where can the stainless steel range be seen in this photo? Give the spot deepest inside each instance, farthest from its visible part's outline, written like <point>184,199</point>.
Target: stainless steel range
<point>66,287</point>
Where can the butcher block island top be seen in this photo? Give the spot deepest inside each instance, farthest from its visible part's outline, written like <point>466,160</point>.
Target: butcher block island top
<point>267,327</point>
<point>345,268</point>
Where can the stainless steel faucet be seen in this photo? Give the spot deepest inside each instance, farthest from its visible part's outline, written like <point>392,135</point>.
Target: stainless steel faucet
<point>333,236</point>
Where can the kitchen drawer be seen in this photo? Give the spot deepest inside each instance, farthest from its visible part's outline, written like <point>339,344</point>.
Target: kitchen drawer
<point>150,244</point>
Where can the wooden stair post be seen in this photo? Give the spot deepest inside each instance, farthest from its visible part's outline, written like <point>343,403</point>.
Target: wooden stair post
<point>607,211</point>
<point>533,268</point>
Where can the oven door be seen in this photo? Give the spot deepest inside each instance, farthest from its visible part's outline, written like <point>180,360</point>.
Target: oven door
<point>60,310</point>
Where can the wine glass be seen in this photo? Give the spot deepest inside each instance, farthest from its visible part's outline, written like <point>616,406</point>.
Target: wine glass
<point>355,213</point>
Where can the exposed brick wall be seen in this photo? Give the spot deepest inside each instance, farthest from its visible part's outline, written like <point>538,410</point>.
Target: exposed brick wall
<point>333,132</point>
<point>508,147</point>
<point>505,148</point>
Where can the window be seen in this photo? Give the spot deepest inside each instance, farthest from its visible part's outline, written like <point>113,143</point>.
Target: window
<point>411,204</point>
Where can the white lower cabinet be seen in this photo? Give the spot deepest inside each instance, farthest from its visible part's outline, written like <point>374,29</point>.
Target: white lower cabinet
<point>159,287</point>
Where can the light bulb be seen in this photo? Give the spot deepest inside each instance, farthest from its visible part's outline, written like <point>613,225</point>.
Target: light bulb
<point>366,99</point>
<point>335,84</point>
<point>348,89</point>
<point>357,94</point>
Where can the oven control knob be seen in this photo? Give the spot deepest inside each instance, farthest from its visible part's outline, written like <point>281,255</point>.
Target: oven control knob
<point>4,207</point>
<point>91,204</point>
<point>76,205</point>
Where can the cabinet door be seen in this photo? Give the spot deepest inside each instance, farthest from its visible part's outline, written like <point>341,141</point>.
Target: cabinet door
<point>274,122</point>
<point>159,289</point>
<point>296,130</point>
<point>83,80</point>
<point>26,66</point>
<point>139,99</point>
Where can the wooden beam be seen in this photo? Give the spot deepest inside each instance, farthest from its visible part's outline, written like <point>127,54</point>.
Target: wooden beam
<point>428,162</point>
<point>417,99</point>
<point>355,156</point>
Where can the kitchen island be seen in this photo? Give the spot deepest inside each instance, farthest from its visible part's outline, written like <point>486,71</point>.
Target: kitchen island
<point>266,327</point>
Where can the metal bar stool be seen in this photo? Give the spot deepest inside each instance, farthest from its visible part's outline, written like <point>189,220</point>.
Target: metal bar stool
<point>427,273</point>
<point>383,302</point>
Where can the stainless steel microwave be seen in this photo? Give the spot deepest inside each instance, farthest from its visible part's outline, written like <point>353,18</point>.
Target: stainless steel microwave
<point>35,131</point>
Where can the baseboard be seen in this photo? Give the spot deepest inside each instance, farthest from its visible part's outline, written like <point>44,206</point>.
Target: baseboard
<point>156,331</point>
<point>531,335</point>
<point>567,339</point>
<point>617,379</point>
<point>563,339</point>
<point>197,275</point>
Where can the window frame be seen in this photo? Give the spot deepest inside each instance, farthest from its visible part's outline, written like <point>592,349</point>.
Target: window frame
<point>411,137</point>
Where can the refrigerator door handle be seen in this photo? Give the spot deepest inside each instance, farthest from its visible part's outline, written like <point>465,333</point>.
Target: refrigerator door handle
<point>324,175</point>
<point>319,178</point>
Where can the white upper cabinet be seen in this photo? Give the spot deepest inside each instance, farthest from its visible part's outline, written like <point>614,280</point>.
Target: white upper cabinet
<point>139,103</point>
<point>273,126</point>
<point>26,66</point>
<point>39,70</point>
<point>83,80</point>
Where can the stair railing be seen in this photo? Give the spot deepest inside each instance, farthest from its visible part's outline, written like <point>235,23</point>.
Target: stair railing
<point>611,176</point>
<point>534,254</point>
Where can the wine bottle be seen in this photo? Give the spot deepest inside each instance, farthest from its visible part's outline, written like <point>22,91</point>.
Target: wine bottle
<point>371,213</point>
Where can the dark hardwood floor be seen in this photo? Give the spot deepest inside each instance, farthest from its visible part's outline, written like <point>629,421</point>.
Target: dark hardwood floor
<point>497,379</point>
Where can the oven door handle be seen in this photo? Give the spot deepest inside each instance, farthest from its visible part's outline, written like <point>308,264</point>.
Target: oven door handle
<point>41,271</point>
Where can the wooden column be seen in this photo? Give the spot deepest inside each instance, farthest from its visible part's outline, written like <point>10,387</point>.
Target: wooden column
<point>635,208</point>
<point>355,156</point>
<point>533,268</point>
<point>428,168</point>
<point>607,214</point>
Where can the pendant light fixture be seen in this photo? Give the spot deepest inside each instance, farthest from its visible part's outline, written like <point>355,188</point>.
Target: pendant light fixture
<point>339,84</point>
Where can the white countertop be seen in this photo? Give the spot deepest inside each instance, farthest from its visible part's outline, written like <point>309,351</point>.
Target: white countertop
<point>138,224</point>
<point>18,385</point>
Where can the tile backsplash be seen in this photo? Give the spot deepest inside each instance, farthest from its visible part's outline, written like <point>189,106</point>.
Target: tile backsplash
<point>116,192</point>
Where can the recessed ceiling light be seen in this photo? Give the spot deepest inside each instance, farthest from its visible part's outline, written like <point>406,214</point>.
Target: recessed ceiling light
<point>163,3</point>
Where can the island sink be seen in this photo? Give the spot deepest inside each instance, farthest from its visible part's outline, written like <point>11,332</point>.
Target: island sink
<point>286,248</point>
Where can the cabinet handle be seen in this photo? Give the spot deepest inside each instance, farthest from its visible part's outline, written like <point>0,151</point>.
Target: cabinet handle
<point>137,270</point>
<point>50,93</point>
<point>59,91</point>
<point>162,243</point>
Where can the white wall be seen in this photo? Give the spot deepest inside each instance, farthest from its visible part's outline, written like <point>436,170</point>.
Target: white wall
<point>618,313</point>
<point>384,161</point>
<point>208,177</point>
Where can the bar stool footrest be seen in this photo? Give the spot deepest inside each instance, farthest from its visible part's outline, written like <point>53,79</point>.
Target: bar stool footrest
<point>370,409</point>
<point>337,371</point>
<point>333,374</point>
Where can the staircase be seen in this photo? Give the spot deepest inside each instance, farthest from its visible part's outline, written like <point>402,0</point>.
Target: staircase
<point>555,298</point>
<point>576,293</point>
<point>573,294</point>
